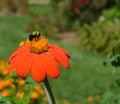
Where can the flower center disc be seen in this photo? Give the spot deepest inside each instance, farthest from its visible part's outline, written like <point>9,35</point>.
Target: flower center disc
<point>38,45</point>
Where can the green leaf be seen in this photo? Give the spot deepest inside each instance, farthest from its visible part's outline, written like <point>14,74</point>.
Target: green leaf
<point>107,98</point>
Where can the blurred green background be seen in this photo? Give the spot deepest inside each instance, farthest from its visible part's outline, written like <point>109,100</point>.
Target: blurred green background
<point>87,29</point>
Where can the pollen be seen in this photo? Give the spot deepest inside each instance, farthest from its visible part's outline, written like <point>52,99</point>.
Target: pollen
<point>39,45</point>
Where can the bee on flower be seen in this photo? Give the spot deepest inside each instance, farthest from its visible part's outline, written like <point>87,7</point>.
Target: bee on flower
<point>38,57</point>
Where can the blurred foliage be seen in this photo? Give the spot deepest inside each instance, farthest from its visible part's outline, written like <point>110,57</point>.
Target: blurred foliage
<point>110,98</point>
<point>112,13</point>
<point>18,7</point>
<point>100,36</point>
<point>114,59</point>
<point>81,10</point>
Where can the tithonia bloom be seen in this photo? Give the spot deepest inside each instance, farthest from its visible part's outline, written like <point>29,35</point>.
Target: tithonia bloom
<point>38,57</point>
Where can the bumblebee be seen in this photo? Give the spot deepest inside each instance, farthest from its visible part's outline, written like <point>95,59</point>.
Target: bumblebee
<point>34,35</point>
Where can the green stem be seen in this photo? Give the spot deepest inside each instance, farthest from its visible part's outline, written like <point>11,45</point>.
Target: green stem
<point>48,91</point>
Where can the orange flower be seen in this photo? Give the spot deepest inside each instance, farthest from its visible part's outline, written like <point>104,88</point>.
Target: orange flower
<point>4,72</point>
<point>12,86</point>
<point>37,87</point>
<point>8,82</point>
<point>34,95</point>
<point>26,89</point>
<point>21,82</point>
<point>1,84</point>
<point>20,94</point>
<point>2,65</point>
<point>90,99</point>
<point>38,57</point>
<point>5,93</point>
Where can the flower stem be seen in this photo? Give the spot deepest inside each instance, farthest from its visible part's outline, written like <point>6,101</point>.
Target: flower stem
<point>48,91</point>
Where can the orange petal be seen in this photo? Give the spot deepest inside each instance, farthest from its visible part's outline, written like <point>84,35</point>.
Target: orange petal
<point>58,48</point>
<point>15,61</point>
<point>19,50</point>
<point>38,68</point>
<point>52,66</point>
<point>25,64</point>
<point>60,57</point>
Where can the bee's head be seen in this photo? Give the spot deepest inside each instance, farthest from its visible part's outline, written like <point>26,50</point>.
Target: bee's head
<point>34,35</point>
